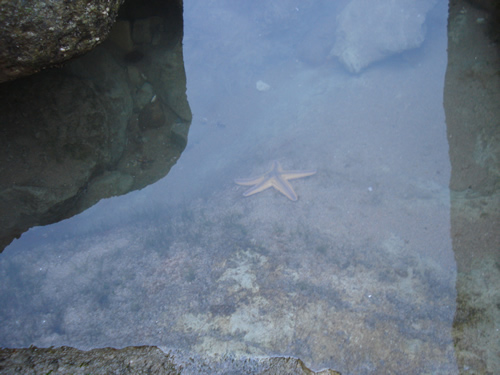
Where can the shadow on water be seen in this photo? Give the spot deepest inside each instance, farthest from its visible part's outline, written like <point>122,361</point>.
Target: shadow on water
<point>102,125</point>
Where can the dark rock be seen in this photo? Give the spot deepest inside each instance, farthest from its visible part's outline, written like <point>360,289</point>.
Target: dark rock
<point>66,360</point>
<point>95,128</point>
<point>41,33</point>
<point>134,56</point>
<point>152,115</point>
<point>140,360</point>
<point>471,93</point>
<point>472,72</point>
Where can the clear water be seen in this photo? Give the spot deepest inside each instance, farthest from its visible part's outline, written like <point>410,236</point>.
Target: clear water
<point>357,275</point>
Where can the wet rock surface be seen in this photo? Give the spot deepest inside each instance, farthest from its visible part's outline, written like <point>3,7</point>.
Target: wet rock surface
<point>472,113</point>
<point>140,360</point>
<point>44,33</point>
<point>100,126</point>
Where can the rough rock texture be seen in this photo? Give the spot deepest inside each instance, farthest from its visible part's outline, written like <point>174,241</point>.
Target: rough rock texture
<point>37,34</point>
<point>139,360</point>
<point>472,73</point>
<point>472,116</point>
<point>370,31</point>
<point>109,122</point>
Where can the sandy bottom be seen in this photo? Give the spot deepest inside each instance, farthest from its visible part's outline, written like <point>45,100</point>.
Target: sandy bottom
<point>358,275</point>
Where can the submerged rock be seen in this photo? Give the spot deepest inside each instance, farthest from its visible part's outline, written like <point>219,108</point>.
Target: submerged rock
<point>140,360</point>
<point>97,127</point>
<point>370,31</point>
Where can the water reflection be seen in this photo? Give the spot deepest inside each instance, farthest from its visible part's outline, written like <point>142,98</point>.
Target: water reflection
<point>113,121</point>
<point>357,275</point>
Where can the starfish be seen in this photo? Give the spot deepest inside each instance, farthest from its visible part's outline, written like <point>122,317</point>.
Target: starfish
<point>277,178</point>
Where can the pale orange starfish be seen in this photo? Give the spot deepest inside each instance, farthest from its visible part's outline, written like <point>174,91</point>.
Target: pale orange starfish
<point>277,178</point>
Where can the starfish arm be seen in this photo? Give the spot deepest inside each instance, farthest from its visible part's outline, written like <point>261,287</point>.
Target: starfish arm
<point>284,187</point>
<point>258,188</point>
<point>249,181</point>
<point>275,177</point>
<point>291,175</point>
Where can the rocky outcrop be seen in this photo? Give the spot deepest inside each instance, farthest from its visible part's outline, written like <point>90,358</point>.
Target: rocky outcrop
<point>42,33</point>
<point>104,124</point>
<point>141,360</point>
<point>471,95</point>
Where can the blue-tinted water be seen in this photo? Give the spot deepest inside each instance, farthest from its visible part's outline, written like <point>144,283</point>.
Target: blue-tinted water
<point>357,275</point>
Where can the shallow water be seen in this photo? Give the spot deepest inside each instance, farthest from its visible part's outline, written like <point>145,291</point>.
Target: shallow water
<point>357,275</point>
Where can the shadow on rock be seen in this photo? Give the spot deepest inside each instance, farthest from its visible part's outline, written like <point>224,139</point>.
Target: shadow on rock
<point>112,121</point>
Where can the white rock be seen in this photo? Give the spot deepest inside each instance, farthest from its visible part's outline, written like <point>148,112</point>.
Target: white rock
<point>262,86</point>
<point>370,31</point>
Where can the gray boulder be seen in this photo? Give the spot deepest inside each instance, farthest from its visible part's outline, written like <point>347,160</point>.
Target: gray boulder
<point>40,33</point>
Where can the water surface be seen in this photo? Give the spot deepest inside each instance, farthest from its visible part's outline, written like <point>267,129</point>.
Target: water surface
<point>357,275</point>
